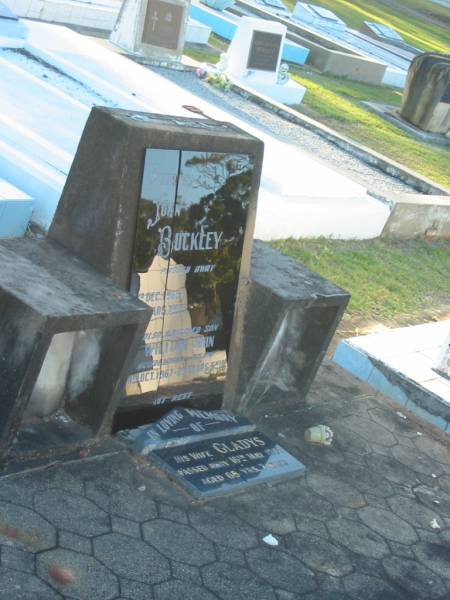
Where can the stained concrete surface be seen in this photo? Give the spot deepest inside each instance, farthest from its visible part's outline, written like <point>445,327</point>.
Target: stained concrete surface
<point>370,520</point>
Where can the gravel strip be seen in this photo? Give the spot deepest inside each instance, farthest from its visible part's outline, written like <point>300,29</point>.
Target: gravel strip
<point>373,179</point>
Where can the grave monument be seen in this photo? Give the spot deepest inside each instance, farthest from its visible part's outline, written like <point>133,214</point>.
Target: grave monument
<point>254,57</point>
<point>152,28</point>
<point>426,99</point>
<point>67,335</point>
<point>175,203</point>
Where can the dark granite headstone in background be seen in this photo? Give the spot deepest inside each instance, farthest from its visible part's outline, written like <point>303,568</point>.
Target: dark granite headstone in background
<point>264,51</point>
<point>175,204</point>
<point>425,101</point>
<point>184,426</point>
<point>228,465</point>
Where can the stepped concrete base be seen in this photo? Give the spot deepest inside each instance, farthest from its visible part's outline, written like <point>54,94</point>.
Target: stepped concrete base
<point>400,363</point>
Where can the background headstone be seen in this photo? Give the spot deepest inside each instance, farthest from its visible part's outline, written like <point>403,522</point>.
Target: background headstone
<point>175,203</point>
<point>254,56</point>
<point>426,99</point>
<point>152,28</point>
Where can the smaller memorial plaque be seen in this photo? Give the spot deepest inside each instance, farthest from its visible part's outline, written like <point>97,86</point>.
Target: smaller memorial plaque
<point>162,24</point>
<point>184,426</point>
<point>229,464</point>
<point>264,51</point>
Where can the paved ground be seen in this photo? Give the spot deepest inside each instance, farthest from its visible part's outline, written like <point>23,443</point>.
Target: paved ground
<point>371,520</point>
<point>372,178</point>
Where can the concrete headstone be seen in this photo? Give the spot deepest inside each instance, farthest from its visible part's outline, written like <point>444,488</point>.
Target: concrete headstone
<point>426,99</point>
<point>254,57</point>
<point>175,206</point>
<point>152,28</point>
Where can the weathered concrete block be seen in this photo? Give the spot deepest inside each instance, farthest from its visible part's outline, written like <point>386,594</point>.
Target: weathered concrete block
<point>426,99</point>
<point>418,215</point>
<point>289,317</point>
<point>66,335</point>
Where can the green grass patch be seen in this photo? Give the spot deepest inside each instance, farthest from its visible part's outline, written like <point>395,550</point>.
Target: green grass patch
<point>208,53</point>
<point>386,278</point>
<point>203,56</point>
<point>335,101</point>
<point>416,30</point>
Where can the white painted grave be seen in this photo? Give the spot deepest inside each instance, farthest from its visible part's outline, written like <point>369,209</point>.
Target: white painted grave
<point>152,28</point>
<point>318,17</point>
<point>254,56</point>
<point>299,195</point>
<point>13,31</point>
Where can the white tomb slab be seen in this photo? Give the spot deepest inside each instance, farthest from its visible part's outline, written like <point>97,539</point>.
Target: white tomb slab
<point>13,31</point>
<point>254,57</point>
<point>152,28</point>
<point>318,17</point>
<point>196,32</point>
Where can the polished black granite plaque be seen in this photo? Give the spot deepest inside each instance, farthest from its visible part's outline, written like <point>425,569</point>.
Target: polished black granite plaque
<point>229,464</point>
<point>264,51</point>
<point>183,426</point>
<point>162,24</point>
<point>190,232</point>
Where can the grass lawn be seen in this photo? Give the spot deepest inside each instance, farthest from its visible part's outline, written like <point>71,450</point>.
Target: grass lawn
<point>387,279</point>
<point>207,55</point>
<point>414,29</point>
<point>334,101</point>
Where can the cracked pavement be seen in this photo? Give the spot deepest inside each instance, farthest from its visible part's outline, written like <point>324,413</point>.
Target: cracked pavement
<point>371,519</point>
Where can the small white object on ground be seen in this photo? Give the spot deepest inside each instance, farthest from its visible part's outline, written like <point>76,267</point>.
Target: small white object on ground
<point>400,414</point>
<point>270,540</point>
<point>434,524</point>
<point>141,488</point>
<point>433,475</point>
<point>419,433</point>
<point>321,435</point>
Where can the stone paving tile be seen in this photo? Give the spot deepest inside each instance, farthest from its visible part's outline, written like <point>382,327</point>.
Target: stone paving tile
<point>77,575</point>
<point>72,512</point>
<point>360,525</point>
<point>133,590</point>
<point>281,570</point>
<point>238,583</point>
<point>24,528</point>
<point>73,541</point>
<point>14,558</point>
<point>176,590</point>
<point>179,542</point>
<point>131,558</point>
<point>22,586</point>
<point>223,528</point>
<point>125,526</point>
<point>390,526</point>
